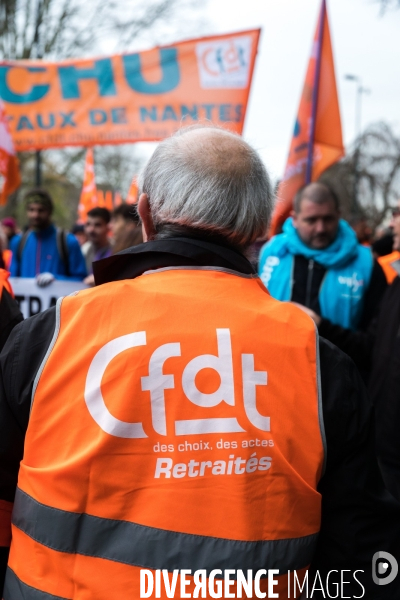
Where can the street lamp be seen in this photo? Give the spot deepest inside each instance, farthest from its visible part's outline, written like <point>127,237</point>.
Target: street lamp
<point>360,91</point>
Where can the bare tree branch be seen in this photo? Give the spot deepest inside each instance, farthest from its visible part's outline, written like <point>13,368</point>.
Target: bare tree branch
<point>66,28</point>
<point>378,173</point>
<point>388,4</point>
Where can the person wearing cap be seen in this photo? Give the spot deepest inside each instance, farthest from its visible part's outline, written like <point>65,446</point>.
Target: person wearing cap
<point>44,251</point>
<point>10,228</point>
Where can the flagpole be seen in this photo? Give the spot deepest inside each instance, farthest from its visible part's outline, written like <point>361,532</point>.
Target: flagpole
<point>315,94</point>
<point>36,41</point>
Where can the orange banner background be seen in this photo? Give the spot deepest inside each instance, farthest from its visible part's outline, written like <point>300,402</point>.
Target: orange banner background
<point>130,97</point>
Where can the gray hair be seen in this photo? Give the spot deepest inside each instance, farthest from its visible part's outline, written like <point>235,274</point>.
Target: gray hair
<point>213,182</point>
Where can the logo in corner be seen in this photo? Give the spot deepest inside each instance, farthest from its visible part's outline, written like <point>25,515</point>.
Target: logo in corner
<point>224,63</point>
<point>384,568</point>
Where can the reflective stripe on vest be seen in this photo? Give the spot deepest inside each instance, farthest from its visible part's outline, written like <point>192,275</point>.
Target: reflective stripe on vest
<point>15,589</point>
<point>176,424</point>
<point>154,548</point>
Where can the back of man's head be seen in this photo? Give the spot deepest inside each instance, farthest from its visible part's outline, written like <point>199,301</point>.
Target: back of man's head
<point>211,180</point>
<point>101,213</point>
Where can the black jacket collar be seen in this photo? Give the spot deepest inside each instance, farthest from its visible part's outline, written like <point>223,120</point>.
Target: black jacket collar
<point>171,252</point>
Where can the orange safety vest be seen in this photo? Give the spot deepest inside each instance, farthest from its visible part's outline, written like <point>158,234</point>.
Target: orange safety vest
<point>4,283</point>
<point>7,257</point>
<point>386,264</point>
<point>176,424</point>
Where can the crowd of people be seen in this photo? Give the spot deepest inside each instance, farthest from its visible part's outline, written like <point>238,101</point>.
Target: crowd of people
<point>120,448</point>
<point>47,252</point>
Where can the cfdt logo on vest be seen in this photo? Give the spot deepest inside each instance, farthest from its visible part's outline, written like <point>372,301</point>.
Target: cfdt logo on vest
<point>157,382</point>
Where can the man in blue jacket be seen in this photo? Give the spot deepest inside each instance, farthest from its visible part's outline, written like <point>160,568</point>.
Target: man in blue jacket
<point>44,251</point>
<point>318,263</point>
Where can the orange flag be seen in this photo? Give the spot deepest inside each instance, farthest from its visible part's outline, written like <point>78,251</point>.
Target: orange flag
<point>317,138</point>
<point>117,199</point>
<point>9,166</point>
<point>101,203</point>
<point>88,197</point>
<point>108,200</point>
<point>132,197</point>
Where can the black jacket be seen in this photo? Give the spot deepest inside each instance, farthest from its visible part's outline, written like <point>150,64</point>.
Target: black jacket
<point>373,349</point>
<point>359,518</point>
<point>384,385</point>
<point>10,316</point>
<point>377,349</point>
<point>308,276</point>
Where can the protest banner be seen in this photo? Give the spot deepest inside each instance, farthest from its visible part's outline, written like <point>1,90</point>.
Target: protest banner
<point>33,299</point>
<point>317,138</point>
<point>134,97</point>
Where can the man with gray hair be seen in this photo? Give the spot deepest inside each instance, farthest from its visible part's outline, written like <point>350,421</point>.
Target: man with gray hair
<point>176,424</point>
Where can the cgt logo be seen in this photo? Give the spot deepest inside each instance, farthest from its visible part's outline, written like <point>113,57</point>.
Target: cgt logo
<point>224,64</point>
<point>384,568</point>
<point>156,382</point>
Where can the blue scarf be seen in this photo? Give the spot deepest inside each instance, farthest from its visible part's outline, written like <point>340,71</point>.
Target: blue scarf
<point>349,268</point>
<point>342,250</point>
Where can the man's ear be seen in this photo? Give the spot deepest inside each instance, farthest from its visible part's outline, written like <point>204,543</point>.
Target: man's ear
<point>144,211</point>
<point>293,214</point>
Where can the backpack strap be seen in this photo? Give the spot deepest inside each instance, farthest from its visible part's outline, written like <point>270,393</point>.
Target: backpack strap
<point>62,247</point>
<point>20,249</point>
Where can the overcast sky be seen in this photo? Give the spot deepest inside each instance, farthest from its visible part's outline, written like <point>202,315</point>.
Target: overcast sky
<point>364,44</point>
